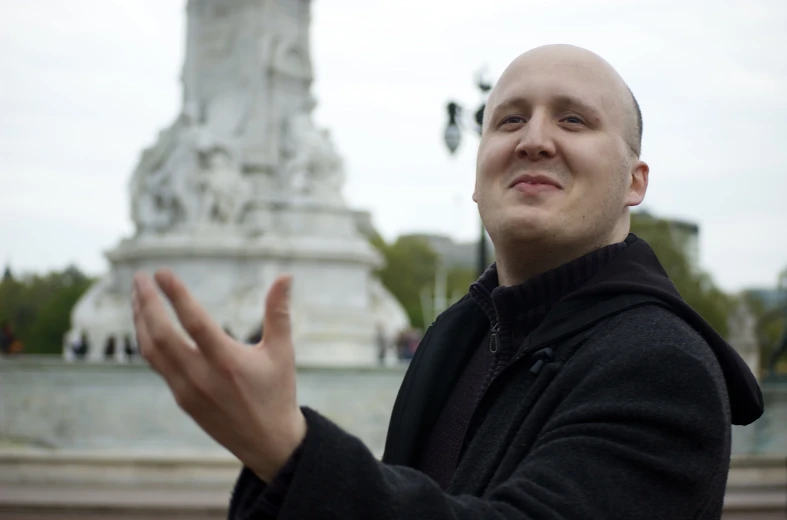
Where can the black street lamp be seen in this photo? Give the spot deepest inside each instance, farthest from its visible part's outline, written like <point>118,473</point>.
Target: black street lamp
<point>453,137</point>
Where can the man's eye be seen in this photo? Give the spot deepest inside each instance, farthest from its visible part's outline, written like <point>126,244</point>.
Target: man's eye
<point>574,120</point>
<point>513,120</point>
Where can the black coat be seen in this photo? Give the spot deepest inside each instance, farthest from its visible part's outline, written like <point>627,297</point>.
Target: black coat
<point>617,406</point>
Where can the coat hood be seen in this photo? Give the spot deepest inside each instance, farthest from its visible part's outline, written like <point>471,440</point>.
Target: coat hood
<point>637,270</point>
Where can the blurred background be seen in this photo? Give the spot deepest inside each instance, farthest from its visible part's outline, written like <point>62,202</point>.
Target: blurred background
<point>88,85</point>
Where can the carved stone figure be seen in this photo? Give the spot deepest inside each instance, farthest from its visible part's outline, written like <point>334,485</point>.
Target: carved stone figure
<point>163,188</point>
<point>223,190</point>
<point>312,167</point>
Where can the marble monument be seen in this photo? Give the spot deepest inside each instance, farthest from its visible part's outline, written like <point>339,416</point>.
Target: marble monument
<point>243,186</point>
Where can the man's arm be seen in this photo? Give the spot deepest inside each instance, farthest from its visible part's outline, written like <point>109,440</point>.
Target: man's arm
<point>643,435</point>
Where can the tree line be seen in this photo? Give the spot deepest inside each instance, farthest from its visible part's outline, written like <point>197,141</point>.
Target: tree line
<point>38,307</point>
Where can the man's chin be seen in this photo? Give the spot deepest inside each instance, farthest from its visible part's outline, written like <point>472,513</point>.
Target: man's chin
<point>528,230</point>
<point>529,219</point>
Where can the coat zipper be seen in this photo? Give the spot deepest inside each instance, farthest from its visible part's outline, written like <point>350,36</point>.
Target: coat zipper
<point>494,340</point>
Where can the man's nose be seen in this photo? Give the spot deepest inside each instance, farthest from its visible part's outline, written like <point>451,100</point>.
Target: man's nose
<point>536,139</point>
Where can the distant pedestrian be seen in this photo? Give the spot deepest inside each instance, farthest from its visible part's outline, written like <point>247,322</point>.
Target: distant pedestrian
<point>109,348</point>
<point>6,337</point>
<point>81,347</point>
<point>382,344</point>
<point>9,342</point>
<point>128,347</point>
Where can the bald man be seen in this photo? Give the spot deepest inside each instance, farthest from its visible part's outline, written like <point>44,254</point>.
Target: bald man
<point>572,382</point>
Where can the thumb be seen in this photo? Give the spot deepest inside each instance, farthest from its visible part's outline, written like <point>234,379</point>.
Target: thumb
<point>276,322</point>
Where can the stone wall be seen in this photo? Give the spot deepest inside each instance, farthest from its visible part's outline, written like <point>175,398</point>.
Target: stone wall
<point>127,408</point>
<point>107,441</point>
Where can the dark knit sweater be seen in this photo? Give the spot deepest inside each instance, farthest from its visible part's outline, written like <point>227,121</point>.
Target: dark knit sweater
<point>513,313</point>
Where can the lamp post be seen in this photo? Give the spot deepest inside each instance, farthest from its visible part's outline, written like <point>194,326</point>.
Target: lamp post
<point>453,137</point>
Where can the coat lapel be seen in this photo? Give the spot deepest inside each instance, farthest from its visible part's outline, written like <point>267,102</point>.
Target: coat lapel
<point>439,361</point>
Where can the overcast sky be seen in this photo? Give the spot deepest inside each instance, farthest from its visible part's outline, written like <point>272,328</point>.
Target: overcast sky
<point>86,84</point>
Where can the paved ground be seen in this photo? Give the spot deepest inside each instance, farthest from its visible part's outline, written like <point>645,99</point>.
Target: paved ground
<point>768,503</point>
<point>165,503</point>
<point>66,503</point>
<point>71,486</point>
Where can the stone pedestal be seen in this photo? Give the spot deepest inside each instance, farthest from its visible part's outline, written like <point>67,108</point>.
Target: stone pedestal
<point>337,303</point>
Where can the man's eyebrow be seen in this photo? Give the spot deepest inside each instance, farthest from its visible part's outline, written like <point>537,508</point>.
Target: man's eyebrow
<point>565,101</point>
<point>511,103</point>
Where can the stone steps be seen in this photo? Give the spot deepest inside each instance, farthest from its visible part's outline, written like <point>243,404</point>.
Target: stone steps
<point>64,485</point>
<point>41,485</point>
<point>30,501</point>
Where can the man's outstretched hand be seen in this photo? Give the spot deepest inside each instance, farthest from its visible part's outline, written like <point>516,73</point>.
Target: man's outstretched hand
<point>242,396</point>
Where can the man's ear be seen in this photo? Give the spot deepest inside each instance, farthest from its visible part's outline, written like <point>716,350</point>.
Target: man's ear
<point>638,185</point>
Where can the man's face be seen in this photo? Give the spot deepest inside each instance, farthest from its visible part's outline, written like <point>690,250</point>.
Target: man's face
<point>553,164</point>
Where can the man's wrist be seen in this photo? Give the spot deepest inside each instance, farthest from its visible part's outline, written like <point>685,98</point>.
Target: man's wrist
<point>267,467</point>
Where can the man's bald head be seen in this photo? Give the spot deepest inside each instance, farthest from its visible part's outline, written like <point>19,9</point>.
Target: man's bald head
<point>558,164</point>
<point>616,93</point>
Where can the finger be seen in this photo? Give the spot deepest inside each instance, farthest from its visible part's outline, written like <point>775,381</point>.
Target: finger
<point>147,350</point>
<point>183,381</point>
<point>176,378</point>
<point>207,334</point>
<point>157,327</point>
<point>276,323</point>
<point>145,344</point>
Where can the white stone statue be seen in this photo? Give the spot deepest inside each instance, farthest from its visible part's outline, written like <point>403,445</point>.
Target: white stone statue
<point>312,167</point>
<point>223,190</point>
<point>242,187</point>
<point>164,189</point>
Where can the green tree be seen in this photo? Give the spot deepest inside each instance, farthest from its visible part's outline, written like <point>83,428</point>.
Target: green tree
<point>459,281</point>
<point>410,267</point>
<point>670,244</point>
<point>39,307</point>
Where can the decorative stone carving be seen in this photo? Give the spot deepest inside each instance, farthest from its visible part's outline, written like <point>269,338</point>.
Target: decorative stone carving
<point>163,187</point>
<point>223,191</point>
<point>312,167</point>
<point>244,186</point>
